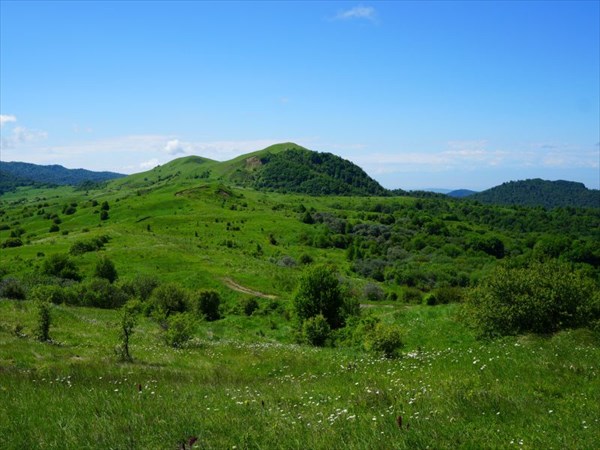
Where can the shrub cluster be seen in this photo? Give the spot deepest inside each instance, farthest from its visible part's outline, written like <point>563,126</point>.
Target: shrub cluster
<point>541,298</point>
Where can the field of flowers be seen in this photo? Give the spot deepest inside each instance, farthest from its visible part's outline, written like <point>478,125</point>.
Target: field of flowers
<point>447,390</point>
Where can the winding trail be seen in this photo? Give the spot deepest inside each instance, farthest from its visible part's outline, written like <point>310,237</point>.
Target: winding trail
<point>244,290</point>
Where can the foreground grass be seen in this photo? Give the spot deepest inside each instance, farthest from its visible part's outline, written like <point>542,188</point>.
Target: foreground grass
<point>451,391</point>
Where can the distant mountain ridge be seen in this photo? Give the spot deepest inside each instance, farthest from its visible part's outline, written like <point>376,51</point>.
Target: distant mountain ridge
<point>14,174</point>
<point>538,192</point>
<point>460,193</point>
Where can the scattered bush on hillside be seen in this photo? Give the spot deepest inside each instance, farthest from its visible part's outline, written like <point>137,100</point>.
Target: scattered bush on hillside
<point>103,215</point>
<point>12,242</point>
<point>449,294</point>
<point>54,228</point>
<point>54,294</point>
<point>100,293</point>
<point>247,306</point>
<point>168,299</point>
<point>384,339</point>
<point>316,330</point>
<point>208,304</point>
<point>430,299</point>
<point>319,293</point>
<point>305,259</point>
<point>140,287</point>
<point>412,295</point>
<point>12,288</point>
<point>542,298</point>
<point>105,268</point>
<point>59,265</point>
<point>42,321</point>
<point>373,293</point>
<point>180,329</point>
<point>88,245</point>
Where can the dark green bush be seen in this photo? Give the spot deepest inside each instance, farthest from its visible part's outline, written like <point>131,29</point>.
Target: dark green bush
<point>449,294</point>
<point>42,322</point>
<point>100,293</point>
<point>59,265</point>
<point>412,295</point>
<point>12,242</point>
<point>543,298</point>
<point>319,293</point>
<point>53,294</point>
<point>12,288</point>
<point>315,330</point>
<point>141,287</point>
<point>105,268</point>
<point>208,304</point>
<point>248,306</point>
<point>430,299</point>
<point>168,299</point>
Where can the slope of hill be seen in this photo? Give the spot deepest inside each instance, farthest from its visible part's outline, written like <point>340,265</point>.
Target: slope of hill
<point>537,192</point>
<point>54,174</point>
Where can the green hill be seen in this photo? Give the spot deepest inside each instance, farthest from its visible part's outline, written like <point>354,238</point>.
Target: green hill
<point>537,192</point>
<point>285,168</point>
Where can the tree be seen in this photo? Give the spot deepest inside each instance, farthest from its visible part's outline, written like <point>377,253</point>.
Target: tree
<point>319,293</point>
<point>128,321</point>
<point>105,268</point>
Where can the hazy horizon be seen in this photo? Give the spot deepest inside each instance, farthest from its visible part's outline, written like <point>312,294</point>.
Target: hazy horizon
<point>448,95</point>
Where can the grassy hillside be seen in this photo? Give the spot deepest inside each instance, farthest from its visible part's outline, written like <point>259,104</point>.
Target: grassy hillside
<point>243,380</point>
<point>230,387</point>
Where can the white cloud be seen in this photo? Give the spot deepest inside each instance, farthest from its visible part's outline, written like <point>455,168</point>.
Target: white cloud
<point>358,12</point>
<point>150,164</point>
<point>6,118</point>
<point>175,147</point>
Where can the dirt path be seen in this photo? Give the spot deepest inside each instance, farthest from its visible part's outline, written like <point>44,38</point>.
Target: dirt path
<point>244,290</point>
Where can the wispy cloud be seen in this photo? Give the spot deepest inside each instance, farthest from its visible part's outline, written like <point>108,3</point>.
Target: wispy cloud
<point>474,155</point>
<point>358,12</point>
<point>6,118</point>
<point>150,164</point>
<point>19,134</point>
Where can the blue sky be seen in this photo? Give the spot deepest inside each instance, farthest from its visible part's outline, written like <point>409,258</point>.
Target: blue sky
<point>419,94</point>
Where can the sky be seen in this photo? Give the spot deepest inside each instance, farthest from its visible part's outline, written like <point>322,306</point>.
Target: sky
<point>419,94</point>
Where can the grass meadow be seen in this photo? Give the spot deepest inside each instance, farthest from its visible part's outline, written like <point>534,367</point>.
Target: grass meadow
<point>238,389</point>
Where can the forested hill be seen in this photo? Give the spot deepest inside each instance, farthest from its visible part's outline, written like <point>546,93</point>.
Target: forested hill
<point>537,192</point>
<point>14,174</point>
<point>304,171</point>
